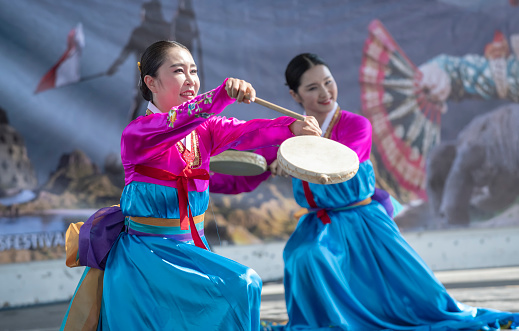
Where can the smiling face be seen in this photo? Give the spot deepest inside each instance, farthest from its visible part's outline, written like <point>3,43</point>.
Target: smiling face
<point>317,92</point>
<point>176,80</point>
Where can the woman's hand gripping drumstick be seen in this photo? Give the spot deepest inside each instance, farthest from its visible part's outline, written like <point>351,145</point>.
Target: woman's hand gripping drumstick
<point>305,125</point>
<point>308,127</point>
<point>240,90</point>
<point>243,91</point>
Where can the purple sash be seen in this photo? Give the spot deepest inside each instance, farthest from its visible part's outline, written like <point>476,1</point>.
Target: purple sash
<point>97,236</point>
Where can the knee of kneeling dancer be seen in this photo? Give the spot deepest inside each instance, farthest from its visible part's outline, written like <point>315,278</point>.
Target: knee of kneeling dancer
<point>251,280</point>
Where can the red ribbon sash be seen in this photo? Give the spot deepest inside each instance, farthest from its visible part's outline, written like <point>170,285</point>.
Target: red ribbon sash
<point>186,218</point>
<point>321,213</point>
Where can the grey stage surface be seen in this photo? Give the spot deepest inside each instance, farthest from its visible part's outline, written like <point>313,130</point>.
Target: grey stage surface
<point>496,288</point>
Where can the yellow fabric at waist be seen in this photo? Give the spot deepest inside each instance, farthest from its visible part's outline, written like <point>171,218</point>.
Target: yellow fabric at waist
<point>364,202</point>
<point>168,222</point>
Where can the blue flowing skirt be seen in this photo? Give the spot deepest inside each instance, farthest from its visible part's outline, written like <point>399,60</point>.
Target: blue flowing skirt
<point>155,278</point>
<point>359,273</point>
<point>159,283</point>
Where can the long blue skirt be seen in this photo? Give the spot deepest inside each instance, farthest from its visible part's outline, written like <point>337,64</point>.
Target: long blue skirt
<point>154,283</point>
<point>358,273</point>
<point>155,278</point>
<point>159,283</point>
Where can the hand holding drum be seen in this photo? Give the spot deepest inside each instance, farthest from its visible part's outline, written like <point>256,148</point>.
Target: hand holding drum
<point>311,158</point>
<point>314,159</point>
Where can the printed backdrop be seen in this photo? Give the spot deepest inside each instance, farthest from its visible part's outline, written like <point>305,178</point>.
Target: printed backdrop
<point>437,79</point>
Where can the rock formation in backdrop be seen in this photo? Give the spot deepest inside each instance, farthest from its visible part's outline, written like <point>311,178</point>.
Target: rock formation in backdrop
<point>77,183</point>
<point>16,171</point>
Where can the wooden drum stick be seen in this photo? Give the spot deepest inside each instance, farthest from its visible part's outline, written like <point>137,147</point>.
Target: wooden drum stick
<point>279,109</point>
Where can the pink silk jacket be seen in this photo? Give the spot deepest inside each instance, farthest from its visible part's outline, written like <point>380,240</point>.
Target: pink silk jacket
<point>155,140</point>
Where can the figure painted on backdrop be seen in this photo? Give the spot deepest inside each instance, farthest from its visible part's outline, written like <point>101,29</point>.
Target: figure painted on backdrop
<point>476,172</point>
<point>159,273</point>
<point>478,164</point>
<point>405,104</point>
<point>154,27</point>
<point>184,29</point>
<point>494,75</point>
<point>346,264</point>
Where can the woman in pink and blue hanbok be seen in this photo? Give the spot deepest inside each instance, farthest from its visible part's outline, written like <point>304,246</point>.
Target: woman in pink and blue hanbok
<point>347,267</point>
<point>159,273</point>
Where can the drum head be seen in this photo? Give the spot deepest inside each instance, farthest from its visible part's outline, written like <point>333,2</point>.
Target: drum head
<point>317,160</point>
<point>238,163</point>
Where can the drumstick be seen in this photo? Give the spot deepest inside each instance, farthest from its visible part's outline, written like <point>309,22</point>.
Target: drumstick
<point>279,109</point>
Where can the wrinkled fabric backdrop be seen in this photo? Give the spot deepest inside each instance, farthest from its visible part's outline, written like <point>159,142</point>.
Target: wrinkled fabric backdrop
<point>250,40</point>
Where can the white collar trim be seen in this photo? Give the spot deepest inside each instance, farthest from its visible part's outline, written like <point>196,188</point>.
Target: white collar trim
<point>153,108</point>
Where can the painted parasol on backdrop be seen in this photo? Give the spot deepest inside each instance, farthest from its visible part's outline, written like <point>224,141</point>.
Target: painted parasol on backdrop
<point>406,123</point>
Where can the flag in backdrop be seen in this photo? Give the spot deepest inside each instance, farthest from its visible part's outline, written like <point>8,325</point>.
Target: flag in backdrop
<point>67,69</point>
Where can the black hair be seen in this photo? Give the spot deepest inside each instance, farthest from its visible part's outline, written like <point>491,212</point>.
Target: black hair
<point>151,60</point>
<point>298,66</point>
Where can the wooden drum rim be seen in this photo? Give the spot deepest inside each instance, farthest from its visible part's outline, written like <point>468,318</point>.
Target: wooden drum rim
<point>350,170</point>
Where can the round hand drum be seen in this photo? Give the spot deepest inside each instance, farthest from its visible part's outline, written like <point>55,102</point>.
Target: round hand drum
<point>317,160</point>
<point>238,163</point>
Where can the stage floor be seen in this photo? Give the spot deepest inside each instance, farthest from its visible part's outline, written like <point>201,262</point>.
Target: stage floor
<point>496,288</point>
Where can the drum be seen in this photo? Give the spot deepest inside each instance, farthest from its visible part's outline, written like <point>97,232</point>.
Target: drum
<point>238,163</point>
<point>317,160</point>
